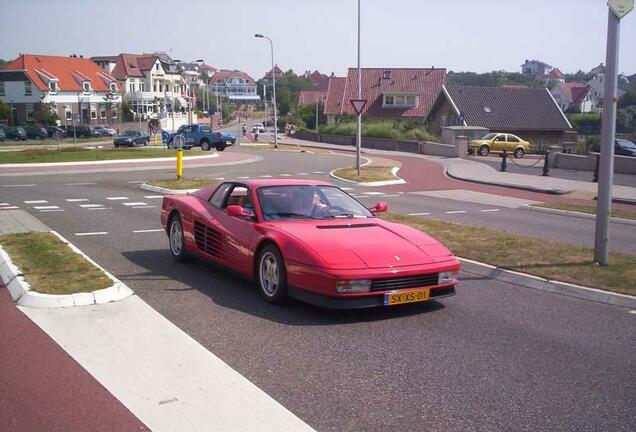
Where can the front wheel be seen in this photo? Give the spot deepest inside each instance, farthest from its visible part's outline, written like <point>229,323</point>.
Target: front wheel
<point>177,240</point>
<point>170,144</point>
<point>484,150</point>
<point>205,146</point>
<point>271,275</point>
<point>220,147</point>
<point>519,153</point>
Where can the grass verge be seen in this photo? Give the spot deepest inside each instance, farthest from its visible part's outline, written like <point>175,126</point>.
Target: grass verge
<point>545,258</point>
<point>367,173</point>
<point>591,209</point>
<point>50,266</point>
<point>183,183</point>
<point>74,154</point>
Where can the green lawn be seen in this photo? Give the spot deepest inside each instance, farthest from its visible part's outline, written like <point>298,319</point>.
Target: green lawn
<point>545,258</point>
<point>183,183</point>
<point>591,209</point>
<point>75,154</point>
<point>367,173</point>
<point>50,266</point>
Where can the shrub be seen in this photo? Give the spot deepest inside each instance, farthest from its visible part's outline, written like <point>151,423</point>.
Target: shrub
<point>407,130</point>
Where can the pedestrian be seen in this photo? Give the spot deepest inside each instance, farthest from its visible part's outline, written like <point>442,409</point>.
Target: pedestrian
<point>256,134</point>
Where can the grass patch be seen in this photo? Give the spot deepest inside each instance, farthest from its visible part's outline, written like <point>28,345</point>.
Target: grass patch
<point>288,148</point>
<point>75,154</point>
<point>591,209</point>
<point>183,183</point>
<point>545,258</point>
<point>408,130</point>
<point>367,173</point>
<point>50,266</point>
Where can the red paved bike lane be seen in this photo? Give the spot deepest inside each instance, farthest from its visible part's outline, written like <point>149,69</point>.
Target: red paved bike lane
<point>43,389</point>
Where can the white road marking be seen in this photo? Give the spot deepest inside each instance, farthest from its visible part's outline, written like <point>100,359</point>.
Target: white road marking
<point>490,210</point>
<point>19,185</point>
<point>242,177</point>
<point>144,206</point>
<point>632,312</point>
<point>394,195</point>
<point>80,184</point>
<point>153,196</point>
<point>91,205</point>
<point>137,203</point>
<point>4,204</point>
<point>218,178</point>
<point>117,198</point>
<point>100,208</point>
<point>303,173</point>
<point>148,230</point>
<point>361,196</point>
<point>265,176</point>
<point>76,199</point>
<point>45,207</point>
<point>91,233</point>
<point>318,172</point>
<point>10,208</point>
<point>347,188</point>
<point>374,193</point>
<point>52,210</point>
<point>285,175</point>
<point>419,214</point>
<point>456,212</point>
<point>36,202</point>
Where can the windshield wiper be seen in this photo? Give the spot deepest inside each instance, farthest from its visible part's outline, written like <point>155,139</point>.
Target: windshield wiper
<point>339,216</point>
<point>291,215</point>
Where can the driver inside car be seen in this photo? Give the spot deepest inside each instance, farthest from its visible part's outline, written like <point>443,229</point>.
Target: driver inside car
<point>308,203</point>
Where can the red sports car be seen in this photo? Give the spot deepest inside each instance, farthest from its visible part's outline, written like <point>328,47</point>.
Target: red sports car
<point>309,240</point>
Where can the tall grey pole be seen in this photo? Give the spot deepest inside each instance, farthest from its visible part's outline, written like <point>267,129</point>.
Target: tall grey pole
<point>316,116</point>
<point>608,132</point>
<point>359,123</point>
<point>274,96</point>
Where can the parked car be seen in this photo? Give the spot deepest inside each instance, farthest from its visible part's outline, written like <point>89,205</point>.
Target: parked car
<point>16,133</point>
<point>496,142</point>
<point>36,132</point>
<point>624,147</point>
<point>53,130</point>
<point>258,127</point>
<point>202,136</point>
<point>131,138</point>
<point>79,131</point>
<point>3,136</point>
<point>102,130</point>
<point>309,240</point>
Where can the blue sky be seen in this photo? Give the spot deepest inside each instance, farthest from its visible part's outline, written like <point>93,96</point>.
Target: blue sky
<point>476,35</point>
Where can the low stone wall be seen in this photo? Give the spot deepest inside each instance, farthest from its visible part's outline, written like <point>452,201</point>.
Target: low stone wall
<point>622,164</point>
<point>437,149</point>
<point>338,139</point>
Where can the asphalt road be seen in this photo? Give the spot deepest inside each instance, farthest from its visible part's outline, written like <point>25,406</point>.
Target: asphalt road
<point>494,357</point>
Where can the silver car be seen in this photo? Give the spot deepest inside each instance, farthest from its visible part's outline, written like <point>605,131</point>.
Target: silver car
<point>104,130</point>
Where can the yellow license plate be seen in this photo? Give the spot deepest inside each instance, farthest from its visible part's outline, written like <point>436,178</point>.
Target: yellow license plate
<point>418,295</point>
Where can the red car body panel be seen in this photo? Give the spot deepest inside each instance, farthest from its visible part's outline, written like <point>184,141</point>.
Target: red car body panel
<point>316,252</point>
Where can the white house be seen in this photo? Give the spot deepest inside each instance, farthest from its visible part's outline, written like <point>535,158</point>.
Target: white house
<point>573,96</point>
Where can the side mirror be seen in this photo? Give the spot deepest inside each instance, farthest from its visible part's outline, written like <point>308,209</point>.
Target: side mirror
<point>380,207</point>
<point>238,211</point>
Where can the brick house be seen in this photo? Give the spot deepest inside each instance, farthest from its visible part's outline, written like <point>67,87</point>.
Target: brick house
<point>69,85</point>
<point>390,92</point>
<point>531,113</point>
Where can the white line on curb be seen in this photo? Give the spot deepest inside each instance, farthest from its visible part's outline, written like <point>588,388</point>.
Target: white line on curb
<point>91,233</point>
<point>242,177</point>
<point>76,199</point>
<point>285,175</point>
<point>137,203</point>
<point>121,198</point>
<point>419,214</point>
<point>148,230</point>
<point>137,181</point>
<point>318,172</point>
<point>265,176</point>
<point>36,202</point>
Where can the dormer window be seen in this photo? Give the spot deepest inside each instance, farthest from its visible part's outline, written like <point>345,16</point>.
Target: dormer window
<point>53,86</point>
<point>386,74</point>
<point>86,86</point>
<point>113,88</point>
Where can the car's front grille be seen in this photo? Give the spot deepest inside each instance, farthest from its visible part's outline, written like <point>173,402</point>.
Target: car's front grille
<point>418,281</point>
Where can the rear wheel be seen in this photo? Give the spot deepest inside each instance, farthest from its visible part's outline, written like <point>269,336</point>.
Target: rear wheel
<point>205,145</point>
<point>519,153</point>
<point>177,241</point>
<point>484,150</point>
<point>220,147</point>
<point>271,275</point>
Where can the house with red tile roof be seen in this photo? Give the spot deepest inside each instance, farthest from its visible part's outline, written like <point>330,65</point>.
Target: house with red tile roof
<point>319,80</point>
<point>310,97</point>
<point>68,85</point>
<point>235,85</point>
<point>279,73</point>
<point>390,92</point>
<point>573,97</point>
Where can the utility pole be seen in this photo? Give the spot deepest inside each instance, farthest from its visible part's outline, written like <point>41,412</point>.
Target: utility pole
<point>359,122</point>
<point>617,9</point>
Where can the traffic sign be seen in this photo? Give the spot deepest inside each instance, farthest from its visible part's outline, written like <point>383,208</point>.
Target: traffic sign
<point>358,105</point>
<point>621,7</point>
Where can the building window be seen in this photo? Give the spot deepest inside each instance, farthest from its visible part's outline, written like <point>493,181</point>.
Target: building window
<point>113,88</point>
<point>132,87</point>
<point>1,88</point>
<point>142,87</point>
<point>399,101</point>
<point>160,87</point>
<point>93,115</point>
<point>157,66</point>
<point>29,112</point>
<point>68,114</point>
<point>86,86</point>
<point>154,87</point>
<point>27,88</point>
<point>53,86</point>
<point>103,113</point>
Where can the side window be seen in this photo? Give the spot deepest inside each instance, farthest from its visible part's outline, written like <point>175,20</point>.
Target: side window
<point>512,138</point>
<point>500,138</point>
<point>218,196</point>
<point>240,195</point>
<point>205,128</point>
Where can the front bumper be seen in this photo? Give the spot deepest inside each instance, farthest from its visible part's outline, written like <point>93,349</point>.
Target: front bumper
<point>357,302</point>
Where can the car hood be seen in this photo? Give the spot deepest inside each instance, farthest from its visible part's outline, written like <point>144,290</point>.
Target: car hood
<point>364,244</point>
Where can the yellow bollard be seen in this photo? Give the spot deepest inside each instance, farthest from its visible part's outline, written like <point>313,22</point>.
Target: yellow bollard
<point>156,140</point>
<point>179,163</point>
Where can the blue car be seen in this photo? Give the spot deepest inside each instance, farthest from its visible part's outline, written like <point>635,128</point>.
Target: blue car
<point>200,135</point>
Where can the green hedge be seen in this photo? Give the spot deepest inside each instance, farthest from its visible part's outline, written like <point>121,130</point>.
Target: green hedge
<point>399,130</point>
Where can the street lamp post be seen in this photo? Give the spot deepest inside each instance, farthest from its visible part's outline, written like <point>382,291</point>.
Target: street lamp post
<point>271,44</point>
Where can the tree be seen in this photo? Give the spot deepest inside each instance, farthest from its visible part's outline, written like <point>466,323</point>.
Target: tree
<point>288,88</point>
<point>2,63</point>
<point>494,78</point>
<point>110,106</point>
<point>5,113</point>
<point>44,113</point>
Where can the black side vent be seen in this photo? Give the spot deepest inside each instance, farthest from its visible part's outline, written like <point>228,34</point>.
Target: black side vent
<point>367,225</point>
<point>208,239</point>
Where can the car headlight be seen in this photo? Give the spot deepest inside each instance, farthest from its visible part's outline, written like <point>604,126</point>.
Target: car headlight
<point>447,276</point>
<point>353,286</point>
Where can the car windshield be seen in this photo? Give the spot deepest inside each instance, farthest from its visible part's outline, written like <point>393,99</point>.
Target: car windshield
<point>489,136</point>
<point>130,133</point>
<point>308,202</point>
<point>626,144</point>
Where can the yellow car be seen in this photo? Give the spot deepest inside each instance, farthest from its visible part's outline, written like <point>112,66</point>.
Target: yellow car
<point>496,142</point>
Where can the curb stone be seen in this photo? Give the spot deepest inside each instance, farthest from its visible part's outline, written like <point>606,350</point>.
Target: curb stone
<point>577,214</point>
<point>106,162</point>
<point>166,191</point>
<point>22,294</point>
<point>394,171</point>
<point>542,284</point>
